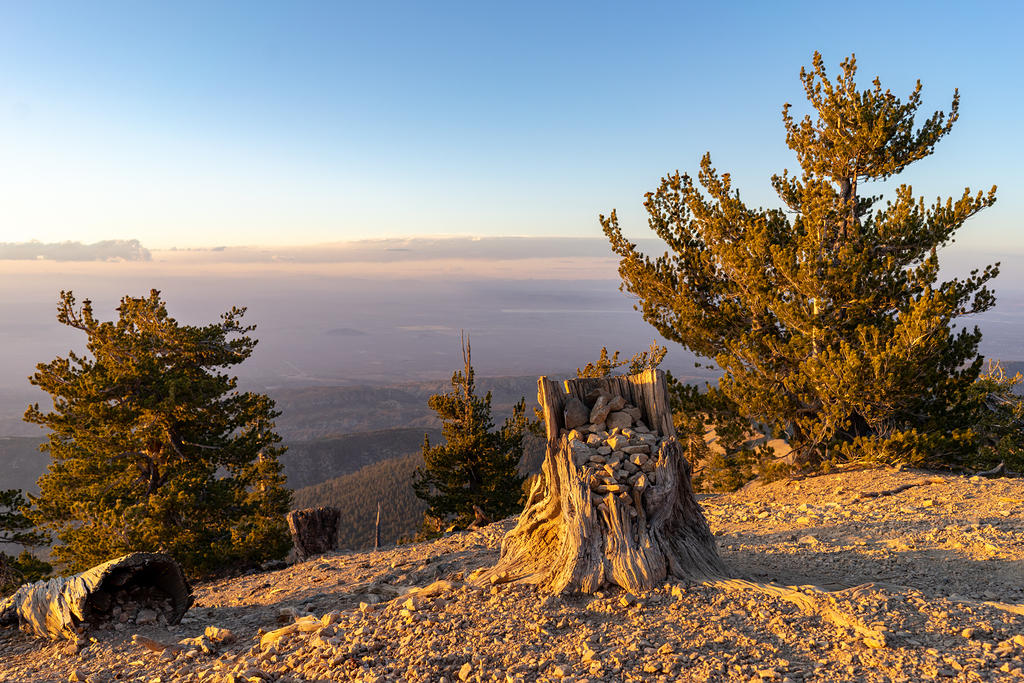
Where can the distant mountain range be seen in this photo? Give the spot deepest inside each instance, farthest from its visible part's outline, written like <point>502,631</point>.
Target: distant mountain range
<point>310,462</point>
<point>393,250</point>
<point>314,413</point>
<point>305,463</point>
<point>335,430</point>
<point>107,250</point>
<point>330,431</point>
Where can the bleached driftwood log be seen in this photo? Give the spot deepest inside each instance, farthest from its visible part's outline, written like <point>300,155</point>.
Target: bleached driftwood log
<point>314,530</point>
<point>65,607</point>
<point>587,523</point>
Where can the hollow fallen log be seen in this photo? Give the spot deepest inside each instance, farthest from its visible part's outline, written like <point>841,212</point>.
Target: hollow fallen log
<point>314,530</point>
<point>592,520</point>
<point>66,607</point>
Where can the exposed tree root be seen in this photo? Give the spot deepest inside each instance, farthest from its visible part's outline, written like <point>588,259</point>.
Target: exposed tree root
<point>813,600</point>
<point>899,489</point>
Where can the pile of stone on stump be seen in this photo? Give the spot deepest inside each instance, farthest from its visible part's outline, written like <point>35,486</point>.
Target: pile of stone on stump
<point>610,441</point>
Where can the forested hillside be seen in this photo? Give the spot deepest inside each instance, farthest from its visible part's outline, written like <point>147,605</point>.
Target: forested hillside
<point>357,494</point>
<point>390,482</point>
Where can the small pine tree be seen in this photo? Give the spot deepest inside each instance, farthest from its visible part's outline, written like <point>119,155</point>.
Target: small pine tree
<point>606,365</point>
<point>152,446</point>
<point>829,320</point>
<point>17,528</point>
<point>476,466</point>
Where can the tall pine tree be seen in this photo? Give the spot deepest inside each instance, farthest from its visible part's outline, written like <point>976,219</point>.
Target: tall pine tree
<point>827,317</point>
<point>153,447</point>
<point>476,466</point>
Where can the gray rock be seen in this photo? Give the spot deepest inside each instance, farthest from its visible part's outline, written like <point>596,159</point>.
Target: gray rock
<point>618,442</point>
<point>620,419</point>
<point>600,410</point>
<point>575,413</point>
<point>595,394</point>
<point>146,616</point>
<point>581,453</point>
<point>617,403</point>
<point>220,635</point>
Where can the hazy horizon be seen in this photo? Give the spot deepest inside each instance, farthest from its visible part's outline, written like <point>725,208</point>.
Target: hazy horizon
<point>388,311</point>
<point>348,316</point>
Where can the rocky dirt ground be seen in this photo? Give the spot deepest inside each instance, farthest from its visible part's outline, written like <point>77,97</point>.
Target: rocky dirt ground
<point>873,575</point>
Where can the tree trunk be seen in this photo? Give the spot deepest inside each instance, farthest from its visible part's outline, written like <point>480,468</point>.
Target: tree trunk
<point>314,530</point>
<point>376,530</point>
<point>591,520</point>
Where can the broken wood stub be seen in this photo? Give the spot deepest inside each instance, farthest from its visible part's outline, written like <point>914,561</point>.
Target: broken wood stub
<point>314,530</point>
<point>612,507</point>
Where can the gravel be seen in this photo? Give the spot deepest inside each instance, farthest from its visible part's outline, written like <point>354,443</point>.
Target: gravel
<point>844,577</point>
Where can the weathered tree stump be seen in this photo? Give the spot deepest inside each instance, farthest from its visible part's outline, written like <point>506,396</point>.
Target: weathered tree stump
<point>591,520</point>
<point>314,530</point>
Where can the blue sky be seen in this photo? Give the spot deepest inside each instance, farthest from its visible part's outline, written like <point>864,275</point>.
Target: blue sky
<point>208,123</point>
